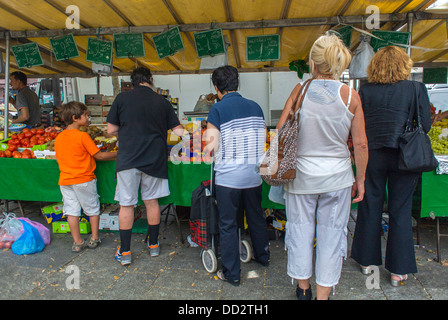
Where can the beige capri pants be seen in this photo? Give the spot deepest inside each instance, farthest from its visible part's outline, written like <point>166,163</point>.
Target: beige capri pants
<point>325,216</point>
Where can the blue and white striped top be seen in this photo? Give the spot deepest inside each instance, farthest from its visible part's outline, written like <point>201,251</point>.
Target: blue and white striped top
<point>242,141</point>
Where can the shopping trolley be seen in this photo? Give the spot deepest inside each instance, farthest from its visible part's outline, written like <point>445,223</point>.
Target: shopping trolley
<point>204,226</point>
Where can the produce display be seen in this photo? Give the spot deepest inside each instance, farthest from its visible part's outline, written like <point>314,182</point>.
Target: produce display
<point>196,150</point>
<point>20,145</point>
<point>439,137</point>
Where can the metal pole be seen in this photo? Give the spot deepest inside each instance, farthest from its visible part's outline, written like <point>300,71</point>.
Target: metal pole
<point>410,27</point>
<point>6,98</point>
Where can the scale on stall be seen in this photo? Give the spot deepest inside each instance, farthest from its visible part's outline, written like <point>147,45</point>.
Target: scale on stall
<point>203,106</point>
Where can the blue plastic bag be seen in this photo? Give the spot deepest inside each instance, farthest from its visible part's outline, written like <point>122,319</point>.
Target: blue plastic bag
<point>29,242</point>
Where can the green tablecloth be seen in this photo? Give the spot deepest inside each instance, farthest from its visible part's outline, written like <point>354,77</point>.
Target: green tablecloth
<point>434,195</point>
<point>37,180</point>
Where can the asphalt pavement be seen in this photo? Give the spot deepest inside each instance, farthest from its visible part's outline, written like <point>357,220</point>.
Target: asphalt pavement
<point>178,274</point>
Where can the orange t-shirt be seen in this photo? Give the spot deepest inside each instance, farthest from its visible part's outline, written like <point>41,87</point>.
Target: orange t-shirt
<point>74,151</point>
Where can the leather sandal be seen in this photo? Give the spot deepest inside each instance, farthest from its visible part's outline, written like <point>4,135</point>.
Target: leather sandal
<point>78,247</point>
<point>396,283</point>
<point>92,243</point>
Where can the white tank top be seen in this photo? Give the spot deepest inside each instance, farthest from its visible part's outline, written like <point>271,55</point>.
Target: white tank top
<point>324,163</point>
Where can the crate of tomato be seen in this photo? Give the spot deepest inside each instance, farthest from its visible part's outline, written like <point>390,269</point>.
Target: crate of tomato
<point>28,139</point>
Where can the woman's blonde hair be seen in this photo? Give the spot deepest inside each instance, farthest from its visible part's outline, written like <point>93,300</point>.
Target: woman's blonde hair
<point>330,55</point>
<point>389,65</point>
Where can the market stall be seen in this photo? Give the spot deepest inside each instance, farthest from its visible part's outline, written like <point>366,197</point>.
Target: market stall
<point>37,180</point>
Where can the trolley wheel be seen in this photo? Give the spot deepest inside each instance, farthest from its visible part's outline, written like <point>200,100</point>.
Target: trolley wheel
<point>209,260</point>
<point>245,251</point>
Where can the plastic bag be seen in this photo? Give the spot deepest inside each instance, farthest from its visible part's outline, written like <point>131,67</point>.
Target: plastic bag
<point>29,242</point>
<point>43,231</point>
<point>276,194</point>
<point>361,59</point>
<point>10,230</point>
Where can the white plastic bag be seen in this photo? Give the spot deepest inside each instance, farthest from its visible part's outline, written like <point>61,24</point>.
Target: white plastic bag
<point>10,230</point>
<point>361,59</point>
<point>277,194</point>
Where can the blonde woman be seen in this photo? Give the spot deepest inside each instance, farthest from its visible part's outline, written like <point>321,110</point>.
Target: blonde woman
<point>386,101</point>
<point>325,181</point>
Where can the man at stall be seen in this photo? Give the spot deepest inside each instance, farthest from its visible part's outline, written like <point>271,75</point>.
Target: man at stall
<point>26,101</point>
<point>236,131</point>
<point>141,118</point>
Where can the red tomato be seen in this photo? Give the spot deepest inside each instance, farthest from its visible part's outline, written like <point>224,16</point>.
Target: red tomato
<point>8,153</point>
<point>41,141</point>
<point>12,148</point>
<point>17,155</point>
<point>28,134</point>
<point>15,141</point>
<point>33,131</point>
<point>14,136</point>
<point>53,135</point>
<point>21,136</point>
<point>48,139</point>
<point>25,130</point>
<point>2,154</point>
<point>26,156</point>
<point>40,131</point>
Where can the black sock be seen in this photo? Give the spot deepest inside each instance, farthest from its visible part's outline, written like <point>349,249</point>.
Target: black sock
<point>153,234</point>
<point>125,238</point>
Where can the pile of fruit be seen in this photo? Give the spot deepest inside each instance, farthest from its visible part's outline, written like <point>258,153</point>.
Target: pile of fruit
<point>439,140</point>
<point>27,139</point>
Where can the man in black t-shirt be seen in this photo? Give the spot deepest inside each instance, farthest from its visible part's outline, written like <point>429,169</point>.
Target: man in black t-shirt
<point>141,118</point>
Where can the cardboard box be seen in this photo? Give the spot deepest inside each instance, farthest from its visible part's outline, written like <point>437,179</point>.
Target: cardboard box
<point>53,212</point>
<point>63,227</point>
<point>109,218</point>
<point>44,154</point>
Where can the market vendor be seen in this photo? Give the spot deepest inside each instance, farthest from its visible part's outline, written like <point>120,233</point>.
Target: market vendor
<point>26,101</point>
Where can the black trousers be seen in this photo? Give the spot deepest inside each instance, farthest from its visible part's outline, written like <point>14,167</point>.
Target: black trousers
<point>231,206</point>
<point>366,249</point>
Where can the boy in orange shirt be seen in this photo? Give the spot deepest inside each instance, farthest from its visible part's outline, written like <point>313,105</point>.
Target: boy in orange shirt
<point>76,153</point>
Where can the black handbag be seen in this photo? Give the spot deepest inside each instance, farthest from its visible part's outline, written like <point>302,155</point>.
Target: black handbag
<point>416,153</point>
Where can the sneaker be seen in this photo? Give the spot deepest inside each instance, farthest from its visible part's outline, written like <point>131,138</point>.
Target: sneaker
<point>124,257</point>
<point>154,249</point>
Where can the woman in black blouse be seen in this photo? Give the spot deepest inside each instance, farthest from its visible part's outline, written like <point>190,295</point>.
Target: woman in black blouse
<point>386,101</point>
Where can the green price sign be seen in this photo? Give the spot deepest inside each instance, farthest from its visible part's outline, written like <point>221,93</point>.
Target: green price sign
<point>209,43</point>
<point>168,43</point>
<point>27,55</point>
<point>129,45</point>
<point>99,51</point>
<point>64,47</point>
<point>389,38</point>
<point>263,48</point>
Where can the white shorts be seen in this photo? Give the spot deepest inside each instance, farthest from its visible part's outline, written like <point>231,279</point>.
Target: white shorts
<point>128,182</point>
<point>324,216</point>
<point>81,196</point>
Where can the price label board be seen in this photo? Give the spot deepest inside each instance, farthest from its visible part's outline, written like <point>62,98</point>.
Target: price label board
<point>129,45</point>
<point>263,48</point>
<point>435,75</point>
<point>168,43</point>
<point>99,51</point>
<point>64,47</point>
<point>389,38</point>
<point>209,43</point>
<point>27,55</point>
